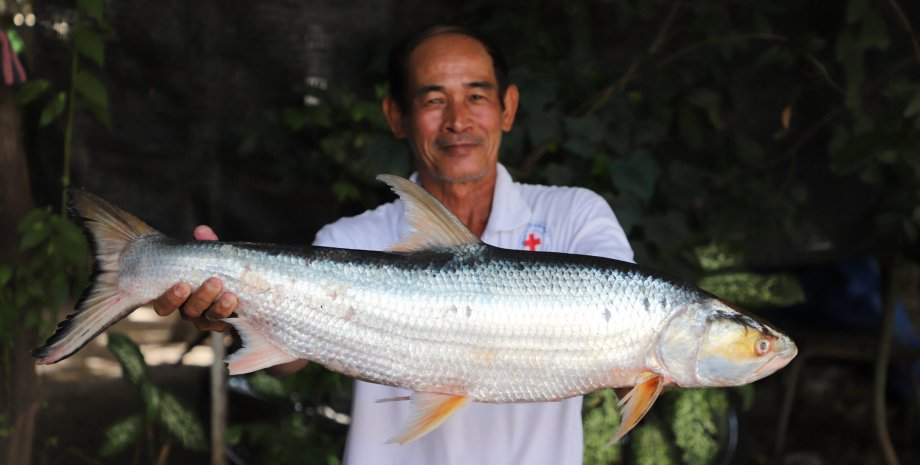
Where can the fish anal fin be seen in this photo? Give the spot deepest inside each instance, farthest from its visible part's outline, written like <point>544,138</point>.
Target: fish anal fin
<point>257,352</point>
<point>637,402</point>
<point>435,226</point>
<point>428,411</point>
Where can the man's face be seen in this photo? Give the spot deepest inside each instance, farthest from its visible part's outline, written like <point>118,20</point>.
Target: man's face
<point>454,121</point>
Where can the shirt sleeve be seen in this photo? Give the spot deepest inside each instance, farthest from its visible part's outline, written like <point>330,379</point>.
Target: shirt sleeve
<point>596,230</point>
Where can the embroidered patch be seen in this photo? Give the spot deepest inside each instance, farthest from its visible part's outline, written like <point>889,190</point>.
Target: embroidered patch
<point>535,237</point>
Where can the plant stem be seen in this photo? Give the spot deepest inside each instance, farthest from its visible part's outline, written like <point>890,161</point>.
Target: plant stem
<point>68,128</point>
<point>889,293</point>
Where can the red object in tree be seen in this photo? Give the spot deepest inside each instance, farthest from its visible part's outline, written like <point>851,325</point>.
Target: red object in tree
<point>13,72</point>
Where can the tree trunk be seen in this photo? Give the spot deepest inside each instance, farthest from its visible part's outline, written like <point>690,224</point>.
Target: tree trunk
<point>18,397</point>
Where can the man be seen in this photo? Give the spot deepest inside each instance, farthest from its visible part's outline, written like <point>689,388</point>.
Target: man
<point>451,102</point>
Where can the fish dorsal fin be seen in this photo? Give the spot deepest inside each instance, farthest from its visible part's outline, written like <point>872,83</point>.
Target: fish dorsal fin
<point>434,225</point>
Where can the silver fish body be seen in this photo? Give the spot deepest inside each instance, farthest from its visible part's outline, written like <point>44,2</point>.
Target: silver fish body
<point>442,314</point>
<point>492,324</point>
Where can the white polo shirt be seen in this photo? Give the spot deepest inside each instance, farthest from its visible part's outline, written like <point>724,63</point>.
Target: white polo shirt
<point>523,217</point>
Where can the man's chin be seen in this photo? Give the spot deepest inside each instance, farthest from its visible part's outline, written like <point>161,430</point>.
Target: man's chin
<point>463,176</point>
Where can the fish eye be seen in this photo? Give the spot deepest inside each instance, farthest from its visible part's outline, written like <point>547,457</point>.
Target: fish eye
<point>763,346</point>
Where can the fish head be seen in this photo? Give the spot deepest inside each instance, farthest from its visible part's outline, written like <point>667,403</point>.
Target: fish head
<point>738,349</point>
<point>711,344</point>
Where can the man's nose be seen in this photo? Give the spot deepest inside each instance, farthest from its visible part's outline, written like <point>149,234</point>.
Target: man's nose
<point>457,117</point>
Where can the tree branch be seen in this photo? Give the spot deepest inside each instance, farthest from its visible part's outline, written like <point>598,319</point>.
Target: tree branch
<point>907,27</point>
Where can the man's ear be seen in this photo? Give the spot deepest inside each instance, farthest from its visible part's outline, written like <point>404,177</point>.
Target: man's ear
<point>394,117</point>
<point>512,96</point>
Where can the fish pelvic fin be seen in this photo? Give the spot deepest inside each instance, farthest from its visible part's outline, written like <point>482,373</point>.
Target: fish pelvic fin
<point>635,404</point>
<point>109,231</point>
<point>258,351</point>
<point>435,226</point>
<point>428,411</point>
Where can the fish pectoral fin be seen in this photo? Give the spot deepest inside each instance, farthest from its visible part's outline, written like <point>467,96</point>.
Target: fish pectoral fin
<point>435,226</point>
<point>257,352</point>
<point>428,411</point>
<point>636,403</point>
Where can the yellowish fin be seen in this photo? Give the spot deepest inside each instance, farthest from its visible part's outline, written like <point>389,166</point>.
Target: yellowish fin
<point>635,404</point>
<point>110,231</point>
<point>435,226</point>
<point>428,411</point>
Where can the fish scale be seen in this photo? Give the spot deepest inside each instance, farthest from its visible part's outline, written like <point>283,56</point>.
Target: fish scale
<point>443,314</point>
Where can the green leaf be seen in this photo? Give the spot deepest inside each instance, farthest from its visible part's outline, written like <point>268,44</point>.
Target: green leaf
<point>89,86</point>
<point>913,108</point>
<point>53,109</point>
<point>90,45</point>
<point>101,113</point>
<point>181,423</point>
<point>6,274</point>
<point>33,235</point>
<point>635,175</point>
<point>266,385</point>
<point>856,9</point>
<point>92,8</point>
<point>16,43</point>
<point>704,98</point>
<point>134,368</point>
<point>345,191</point>
<point>689,127</point>
<point>294,118</point>
<point>755,290</point>
<point>121,434</point>
<point>32,90</point>
<point>716,256</point>
<point>874,33</point>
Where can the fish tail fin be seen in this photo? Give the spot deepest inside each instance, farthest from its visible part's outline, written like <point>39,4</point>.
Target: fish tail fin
<point>109,231</point>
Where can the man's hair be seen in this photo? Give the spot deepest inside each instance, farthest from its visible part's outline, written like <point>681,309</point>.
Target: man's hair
<point>398,66</point>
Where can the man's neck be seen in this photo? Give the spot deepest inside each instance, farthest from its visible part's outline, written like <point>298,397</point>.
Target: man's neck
<point>470,201</point>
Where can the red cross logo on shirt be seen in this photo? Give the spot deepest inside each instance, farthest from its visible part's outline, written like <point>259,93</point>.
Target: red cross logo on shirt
<point>532,242</point>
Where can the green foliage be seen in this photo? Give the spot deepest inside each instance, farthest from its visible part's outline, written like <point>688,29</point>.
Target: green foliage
<point>163,417</point>
<point>694,426</point>
<point>299,433</point>
<point>752,290</point>
<point>600,419</point>
<point>55,269</point>
<point>652,446</point>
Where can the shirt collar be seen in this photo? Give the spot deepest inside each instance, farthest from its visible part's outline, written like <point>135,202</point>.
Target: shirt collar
<point>509,210</point>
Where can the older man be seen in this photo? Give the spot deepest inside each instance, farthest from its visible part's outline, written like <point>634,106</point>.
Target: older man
<point>451,102</point>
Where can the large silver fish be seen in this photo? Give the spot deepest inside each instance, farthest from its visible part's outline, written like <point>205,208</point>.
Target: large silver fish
<point>442,314</point>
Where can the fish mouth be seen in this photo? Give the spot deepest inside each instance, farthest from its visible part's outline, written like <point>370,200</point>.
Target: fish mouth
<point>780,359</point>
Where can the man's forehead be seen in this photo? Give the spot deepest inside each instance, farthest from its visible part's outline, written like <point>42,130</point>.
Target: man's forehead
<point>450,54</point>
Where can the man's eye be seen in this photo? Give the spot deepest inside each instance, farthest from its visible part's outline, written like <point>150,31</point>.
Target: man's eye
<point>477,97</point>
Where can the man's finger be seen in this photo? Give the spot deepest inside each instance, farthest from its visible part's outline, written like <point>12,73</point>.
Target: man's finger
<point>170,300</point>
<point>224,307</point>
<point>205,233</point>
<point>201,299</point>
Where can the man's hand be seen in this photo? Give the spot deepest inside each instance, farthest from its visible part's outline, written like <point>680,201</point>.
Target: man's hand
<point>204,307</point>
